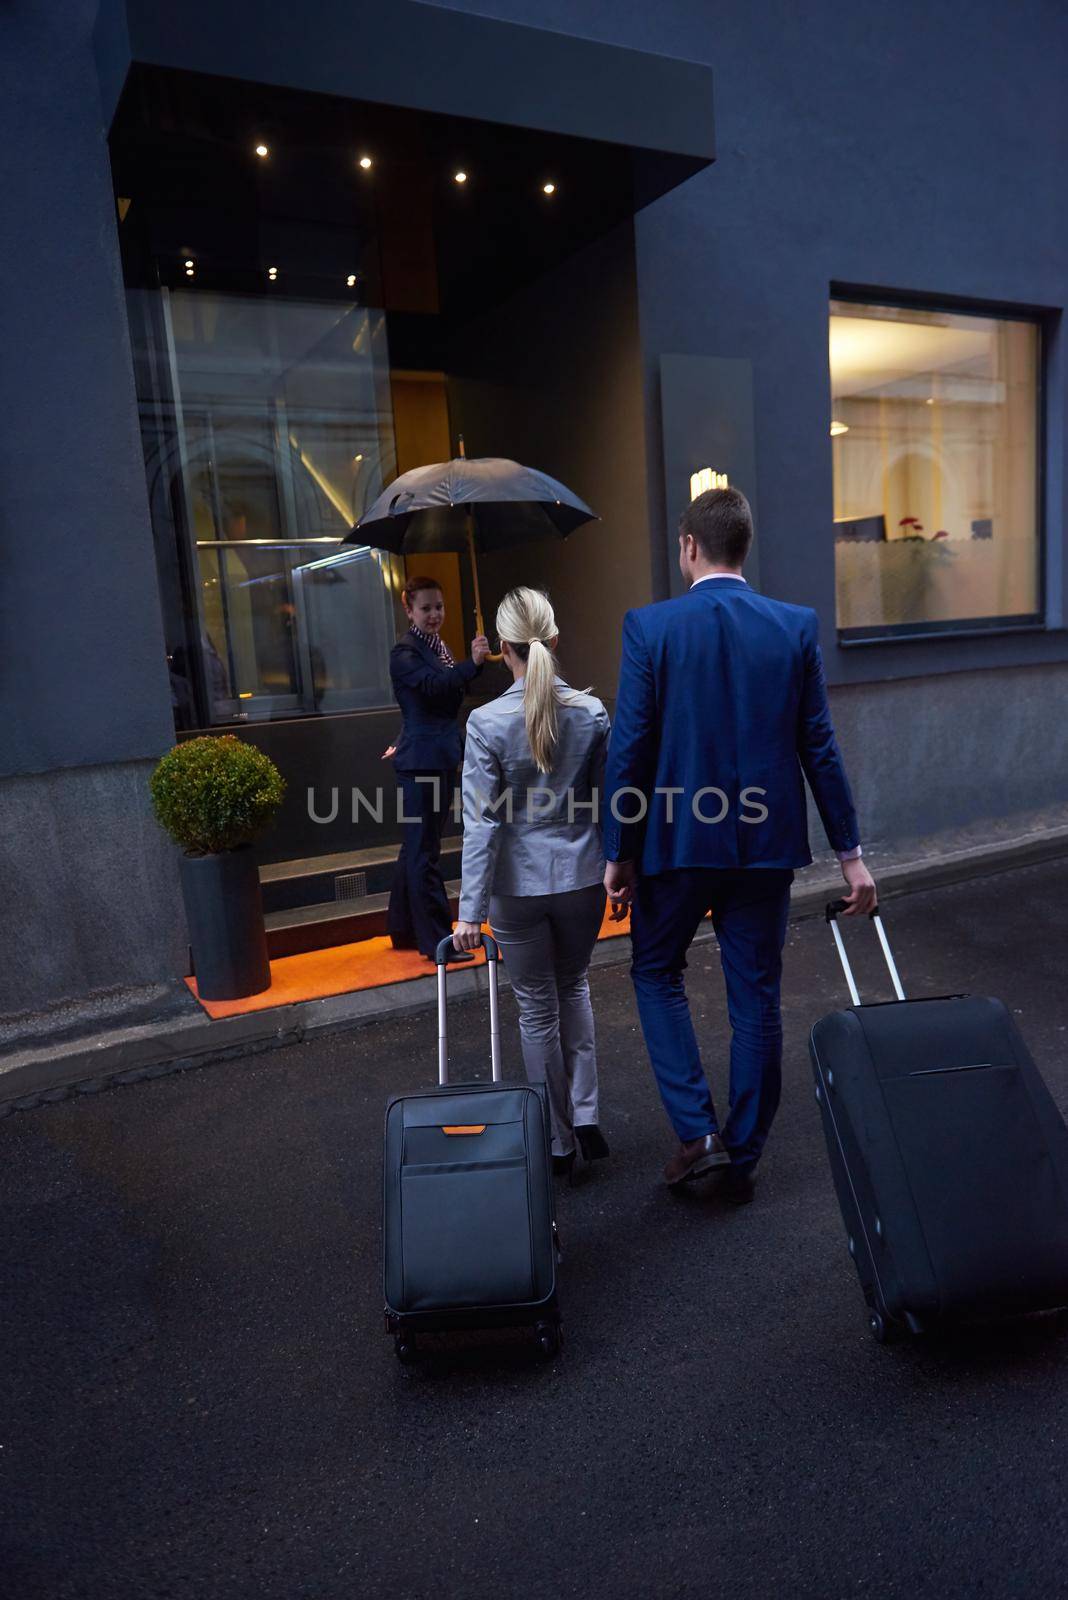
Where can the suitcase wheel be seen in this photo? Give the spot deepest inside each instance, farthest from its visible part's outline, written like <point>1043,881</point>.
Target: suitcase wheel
<point>549,1339</point>
<point>404,1350</point>
<point>883,1330</point>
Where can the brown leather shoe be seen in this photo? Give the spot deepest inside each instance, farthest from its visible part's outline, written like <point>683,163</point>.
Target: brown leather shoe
<point>695,1157</point>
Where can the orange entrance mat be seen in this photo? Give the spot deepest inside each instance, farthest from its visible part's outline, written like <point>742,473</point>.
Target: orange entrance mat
<point>368,964</point>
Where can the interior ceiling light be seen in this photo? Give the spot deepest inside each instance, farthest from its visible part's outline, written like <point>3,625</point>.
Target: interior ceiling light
<point>548,188</point>
<point>190,263</point>
<point>460,177</point>
<point>190,272</point>
<point>351,280</point>
<point>272,273</point>
<point>366,163</point>
<point>262,151</point>
<point>839,427</point>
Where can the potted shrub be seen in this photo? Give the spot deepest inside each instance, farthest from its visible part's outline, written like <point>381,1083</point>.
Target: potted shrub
<point>214,795</point>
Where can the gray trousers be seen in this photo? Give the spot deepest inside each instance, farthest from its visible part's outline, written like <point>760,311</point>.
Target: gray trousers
<point>546,941</point>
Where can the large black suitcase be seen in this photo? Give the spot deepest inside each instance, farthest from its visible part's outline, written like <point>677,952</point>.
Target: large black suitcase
<point>469,1232</point>
<point>949,1156</point>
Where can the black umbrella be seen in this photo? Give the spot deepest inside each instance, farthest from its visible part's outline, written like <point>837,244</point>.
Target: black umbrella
<point>488,504</point>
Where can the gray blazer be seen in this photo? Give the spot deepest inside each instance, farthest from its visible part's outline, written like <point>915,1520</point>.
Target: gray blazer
<point>528,832</point>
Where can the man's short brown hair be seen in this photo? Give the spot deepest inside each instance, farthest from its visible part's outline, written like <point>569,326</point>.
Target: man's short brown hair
<point>722,524</point>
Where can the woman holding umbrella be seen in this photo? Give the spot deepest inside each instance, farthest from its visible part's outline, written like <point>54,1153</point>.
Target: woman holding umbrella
<point>481,505</point>
<point>430,687</point>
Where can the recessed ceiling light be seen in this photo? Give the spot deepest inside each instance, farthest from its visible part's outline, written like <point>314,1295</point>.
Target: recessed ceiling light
<point>366,163</point>
<point>548,188</point>
<point>262,151</point>
<point>459,177</point>
<point>190,263</point>
<point>190,273</point>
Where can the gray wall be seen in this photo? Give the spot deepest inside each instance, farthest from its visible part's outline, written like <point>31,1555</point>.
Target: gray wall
<point>90,890</point>
<point>938,753</point>
<point>90,896</point>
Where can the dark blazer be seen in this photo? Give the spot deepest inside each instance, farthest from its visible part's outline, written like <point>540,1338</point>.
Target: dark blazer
<point>723,688</point>
<point>430,695</point>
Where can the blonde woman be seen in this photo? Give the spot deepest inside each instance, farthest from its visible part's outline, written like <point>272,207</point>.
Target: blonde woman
<point>533,864</point>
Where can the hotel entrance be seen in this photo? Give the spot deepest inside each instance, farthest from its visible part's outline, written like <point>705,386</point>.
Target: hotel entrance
<point>323,294</point>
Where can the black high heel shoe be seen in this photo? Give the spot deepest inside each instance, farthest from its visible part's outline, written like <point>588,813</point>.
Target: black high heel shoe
<point>562,1165</point>
<point>592,1142</point>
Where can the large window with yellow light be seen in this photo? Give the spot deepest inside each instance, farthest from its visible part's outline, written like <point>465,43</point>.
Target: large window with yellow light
<point>935,444</point>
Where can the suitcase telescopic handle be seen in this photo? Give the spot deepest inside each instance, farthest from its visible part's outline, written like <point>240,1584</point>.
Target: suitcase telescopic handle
<point>834,910</point>
<point>444,953</point>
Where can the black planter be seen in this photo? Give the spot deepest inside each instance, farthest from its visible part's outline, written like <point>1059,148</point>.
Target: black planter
<point>225,915</point>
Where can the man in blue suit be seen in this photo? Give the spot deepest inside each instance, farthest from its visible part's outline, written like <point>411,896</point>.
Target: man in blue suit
<point>722,706</point>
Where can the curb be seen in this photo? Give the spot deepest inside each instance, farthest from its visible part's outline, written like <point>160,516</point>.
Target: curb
<point>43,1075</point>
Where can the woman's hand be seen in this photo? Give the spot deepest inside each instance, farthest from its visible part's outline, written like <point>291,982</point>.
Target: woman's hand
<point>479,649</point>
<point>467,935</point>
<point>389,752</point>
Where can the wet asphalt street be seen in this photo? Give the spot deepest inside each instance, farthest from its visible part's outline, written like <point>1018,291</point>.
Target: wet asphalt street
<point>198,1399</point>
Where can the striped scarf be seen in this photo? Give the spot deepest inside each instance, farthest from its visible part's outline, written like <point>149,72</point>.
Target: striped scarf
<point>436,643</point>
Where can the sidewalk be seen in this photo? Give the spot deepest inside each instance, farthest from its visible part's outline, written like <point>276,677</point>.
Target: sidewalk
<point>125,1035</point>
<point>201,1401</point>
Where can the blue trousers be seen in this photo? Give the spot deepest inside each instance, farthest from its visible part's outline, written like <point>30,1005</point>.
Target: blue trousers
<point>749,913</point>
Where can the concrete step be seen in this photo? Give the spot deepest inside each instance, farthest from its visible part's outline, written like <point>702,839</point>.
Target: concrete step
<point>341,879</point>
<point>318,927</point>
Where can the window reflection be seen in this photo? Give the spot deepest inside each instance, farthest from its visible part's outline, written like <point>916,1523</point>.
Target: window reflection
<point>274,433</point>
<point>935,446</point>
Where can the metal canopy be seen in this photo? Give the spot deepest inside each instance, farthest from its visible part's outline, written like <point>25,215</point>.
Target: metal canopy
<point>426,58</point>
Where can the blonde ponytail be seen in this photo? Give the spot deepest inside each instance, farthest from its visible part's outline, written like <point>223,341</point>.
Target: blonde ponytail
<point>539,704</point>
<point>525,621</point>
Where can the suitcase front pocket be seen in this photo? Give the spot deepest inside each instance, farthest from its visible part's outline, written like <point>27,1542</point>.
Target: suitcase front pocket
<point>478,1142</point>
<point>985,1188</point>
<point>466,1233</point>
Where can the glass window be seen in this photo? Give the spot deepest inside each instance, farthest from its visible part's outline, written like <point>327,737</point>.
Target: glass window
<point>934,434</point>
<point>271,433</point>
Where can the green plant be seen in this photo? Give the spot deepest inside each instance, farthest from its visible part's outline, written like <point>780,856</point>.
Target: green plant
<point>215,793</point>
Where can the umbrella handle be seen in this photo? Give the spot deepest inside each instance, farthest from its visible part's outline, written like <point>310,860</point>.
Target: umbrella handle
<point>479,624</point>
<point>474,572</point>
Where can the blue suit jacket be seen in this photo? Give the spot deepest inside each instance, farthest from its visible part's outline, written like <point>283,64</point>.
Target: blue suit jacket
<point>430,695</point>
<point>723,689</point>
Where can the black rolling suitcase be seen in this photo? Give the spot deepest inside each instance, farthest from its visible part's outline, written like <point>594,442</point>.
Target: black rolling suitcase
<point>949,1157</point>
<point>469,1235</point>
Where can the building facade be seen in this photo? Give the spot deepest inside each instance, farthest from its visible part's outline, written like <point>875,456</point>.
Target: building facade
<point>260,260</point>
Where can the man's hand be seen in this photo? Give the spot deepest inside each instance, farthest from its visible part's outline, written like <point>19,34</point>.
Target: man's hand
<point>861,898</point>
<point>619,880</point>
<point>467,935</point>
<point>388,753</point>
<point>479,649</point>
